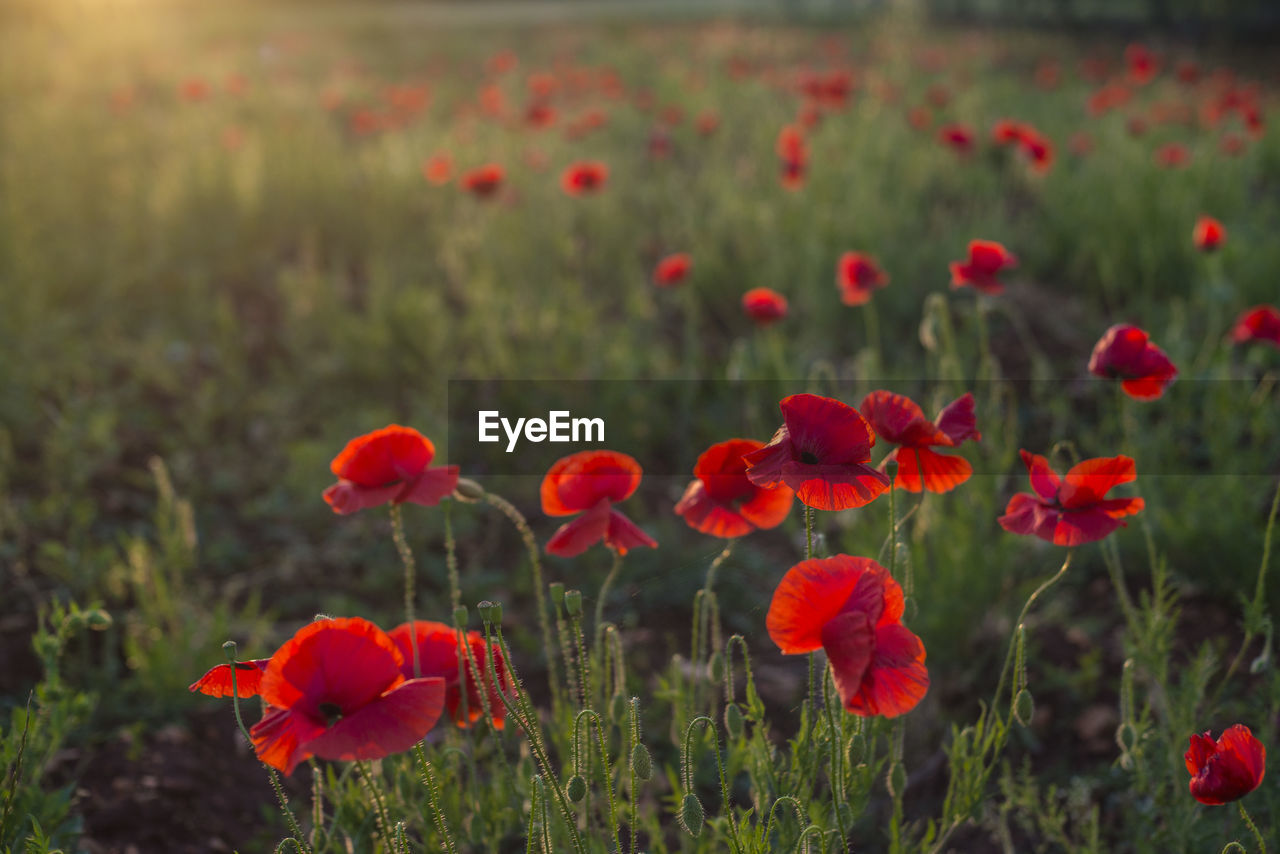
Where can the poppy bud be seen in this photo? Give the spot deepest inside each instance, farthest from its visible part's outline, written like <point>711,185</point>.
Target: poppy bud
<point>618,708</point>
<point>691,814</point>
<point>716,666</point>
<point>897,780</point>
<point>490,612</point>
<point>229,650</point>
<point>98,619</point>
<point>460,615</point>
<point>573,602</point>
<point>641,762</point>
<point>1024,707</point>
<point>891,468</point>
<point>557,593</point>
<point>577,788</point>
<point>468,491</point>
<point>733,720</point>
<point>856,750</point>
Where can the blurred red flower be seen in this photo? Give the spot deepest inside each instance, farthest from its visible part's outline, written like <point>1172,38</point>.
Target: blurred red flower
<point>900,420</point>
<point>1173,155</point>
<point>388,465</point>
<point>1005,131</point>
<point>986,259</point>
<point>708,122</point>
<point>852,609</point>
<point>438,168</point>
<point>1227,769</point>
<point>336,690</point>
<point>723,502</point>
<point>1141,62</point>
<point>857,276</point>
<point>821,452</point>
<point>793,154</point>
<point>764,305</point>
<point>1081,144</point>
<point>194,89</point>
<point>958,137</point>
<point>1208,234</point>
<point>584,177</point>
<point>1125,352</point>
<point>1072,510</point>
<point>1260,323</point>
<point>483,181</point>
<point>590,482</point>
<point>672,270</point>
<point>438,656</point>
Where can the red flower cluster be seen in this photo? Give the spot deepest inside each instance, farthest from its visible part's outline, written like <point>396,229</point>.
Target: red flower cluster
<point>900,420</point>
<point>483,181</point>
<point>986,259</point>
<point>388,465</point>
<point>1072,510</point>
<point>723,502</point>
<point>1037,147</point>
<point>438,654</point>
<point>1227,769</point>
<point>590,483</point>
<point>852,609</point>
<point>1126,353</point>
<point>821,452</point>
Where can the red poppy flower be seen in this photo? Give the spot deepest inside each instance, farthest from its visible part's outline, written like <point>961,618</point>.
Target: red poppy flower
<point>857,276</point>
<point>1208,234</point>
<point>672,270</point>
<point>217,682</point>
<point>708,122</point>
<point>723,502</point>
<point>1260,323</point>
<point>502,62</point>
<point>1037,148</point>
<point>590,482</point>
<point>852,608</point>
<point>821,452</point>
<point>920,118</point>
<point>438,656</point>
<point>900,420</point>
<point>1006,131</point>
<point>1125,352</point>
<point>1227,769</point>
<point>438,168</point>
<point>1108,98</point>
<point>539,114</point>
<point>793,154</point>
<point>986,259</point>
<point>1142,63</point>
<point>336,691</point>
<point>1072,510</point>
<point>584,177</point>
<point>1174,155</point>
<point>1232,144</point>
<point>194,89</point>
<point>958,137</point>
<point>764,305</point>
<point>388,465</point>
<point>483,181</point>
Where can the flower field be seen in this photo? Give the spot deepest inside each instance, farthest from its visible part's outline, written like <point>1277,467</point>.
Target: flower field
<point>598,432</point>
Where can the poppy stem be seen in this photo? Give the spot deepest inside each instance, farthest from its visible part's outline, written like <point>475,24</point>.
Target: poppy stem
<point>715,564</point>
<point>604,589</point>
<point>893,525</point>
<point>1031,600</point>
<point>433,797</point>
<point>406,560</point>
<point>835,748</point>
<point>1244,814</point>
<point>451,559</point>
<point>379,805</point>
<point>808,532</point>
<point>531,546</point>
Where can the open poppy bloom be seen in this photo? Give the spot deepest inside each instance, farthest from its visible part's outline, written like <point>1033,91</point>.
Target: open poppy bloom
<point>793,156</point>
<point>217,682</point>
<point>957,137</point>
<point>483,181</point>
<point>821,452</point>
<point>986,259</point>
<point>388,465</point>
<point>1260,323</point>
<point>584,178</point>
<point>1125,352</point>
<point>1038,150</point>
<point>899,419</point>
<point>764,305</point>
<point>1005,131</point>
<point>857,276</point>
<point>852,608</point>
<point>336,690</point>
<point>1071,510</point>
<point>1227,769</point>
<point>438,656</point>
<point>723,502</point>
<point>590,482</point>
<point>672,270</point>
<point>1208,234</point>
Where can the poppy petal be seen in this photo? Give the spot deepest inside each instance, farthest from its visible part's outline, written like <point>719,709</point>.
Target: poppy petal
<point>384,456</point>
<point>280,739</point>
<point>1027,515</point>
<point>832,431</point>
<point>1083,526</point>
<point>217,682</point>
<point>1044,480</point>
<point>835,487</point>
<point>1119,507</point>
<point>899,419</point>
<point>346,497</point>
<point>578,482</point>
<point>897,679</point>
<point>347,662</point>
<point>942,472</point>
<point>575,537</point>
<point>623,534</point>
<point>765,466</point>
<point>396,721</point>
<point>849,640</point>
<point>958,421</point>
<point>814,591</point>
<point>1087,482</point>
<point>704,514</point>
<point>431,486</point>
<point>767,508</point>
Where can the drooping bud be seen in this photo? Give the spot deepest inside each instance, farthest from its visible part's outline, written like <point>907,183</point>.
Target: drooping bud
<point>715,667</point>
<point>856,750</point>
<point>1024,707</point>
<point>691,815</point>
<point>468,491</point>
<point>733,720</point>
<point>641,761</point>
<point>897,780</point>
<point>577,788</point>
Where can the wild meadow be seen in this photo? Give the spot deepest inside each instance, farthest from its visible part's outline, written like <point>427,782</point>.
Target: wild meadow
<point>937,369</point>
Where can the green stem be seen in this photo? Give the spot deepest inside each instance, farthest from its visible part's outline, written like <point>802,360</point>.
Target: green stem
<point>451,559</point>
<point>379,805</point>
<point>835,752</point>
<point>1008,659</point>
<point>808,532</point>
<point>433,797</point>
<point>604,589</point>
<point>715,565</point>
<point>406,559</point>
<point>1244,814</point>
<point>687,767</point>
